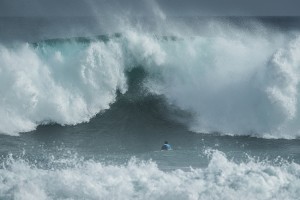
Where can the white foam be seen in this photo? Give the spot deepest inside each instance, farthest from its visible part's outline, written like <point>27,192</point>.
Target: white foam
<point>66,85</point>
<point>221,179</point>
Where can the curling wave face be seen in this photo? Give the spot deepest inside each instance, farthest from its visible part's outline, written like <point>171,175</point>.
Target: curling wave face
<point>243,84</point>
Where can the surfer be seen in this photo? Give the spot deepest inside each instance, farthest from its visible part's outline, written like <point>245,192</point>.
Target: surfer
<point>166,146</point>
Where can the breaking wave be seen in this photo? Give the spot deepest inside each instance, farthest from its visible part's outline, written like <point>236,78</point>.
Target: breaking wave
<point>238,84</point>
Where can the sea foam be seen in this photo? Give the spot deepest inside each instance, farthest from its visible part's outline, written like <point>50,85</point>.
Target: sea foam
<point>79,179</point>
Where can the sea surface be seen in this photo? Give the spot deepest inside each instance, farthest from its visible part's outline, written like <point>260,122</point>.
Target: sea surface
<point>87,103</point>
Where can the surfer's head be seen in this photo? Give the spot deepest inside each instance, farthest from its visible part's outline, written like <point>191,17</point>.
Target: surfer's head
<point>166,142</point>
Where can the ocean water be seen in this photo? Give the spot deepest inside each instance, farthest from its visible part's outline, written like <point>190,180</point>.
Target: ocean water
<point>84,109</point>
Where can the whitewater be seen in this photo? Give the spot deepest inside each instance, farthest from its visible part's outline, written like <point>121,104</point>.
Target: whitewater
<point>222,179</point>
<point>246,85</point>
<point>83,116</point>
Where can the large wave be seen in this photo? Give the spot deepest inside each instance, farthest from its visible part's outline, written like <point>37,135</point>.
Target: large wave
<point>234,83</point>
<point>74,178</point>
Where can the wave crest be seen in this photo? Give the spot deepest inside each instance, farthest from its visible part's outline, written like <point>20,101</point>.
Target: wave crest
<point>232,85</point>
